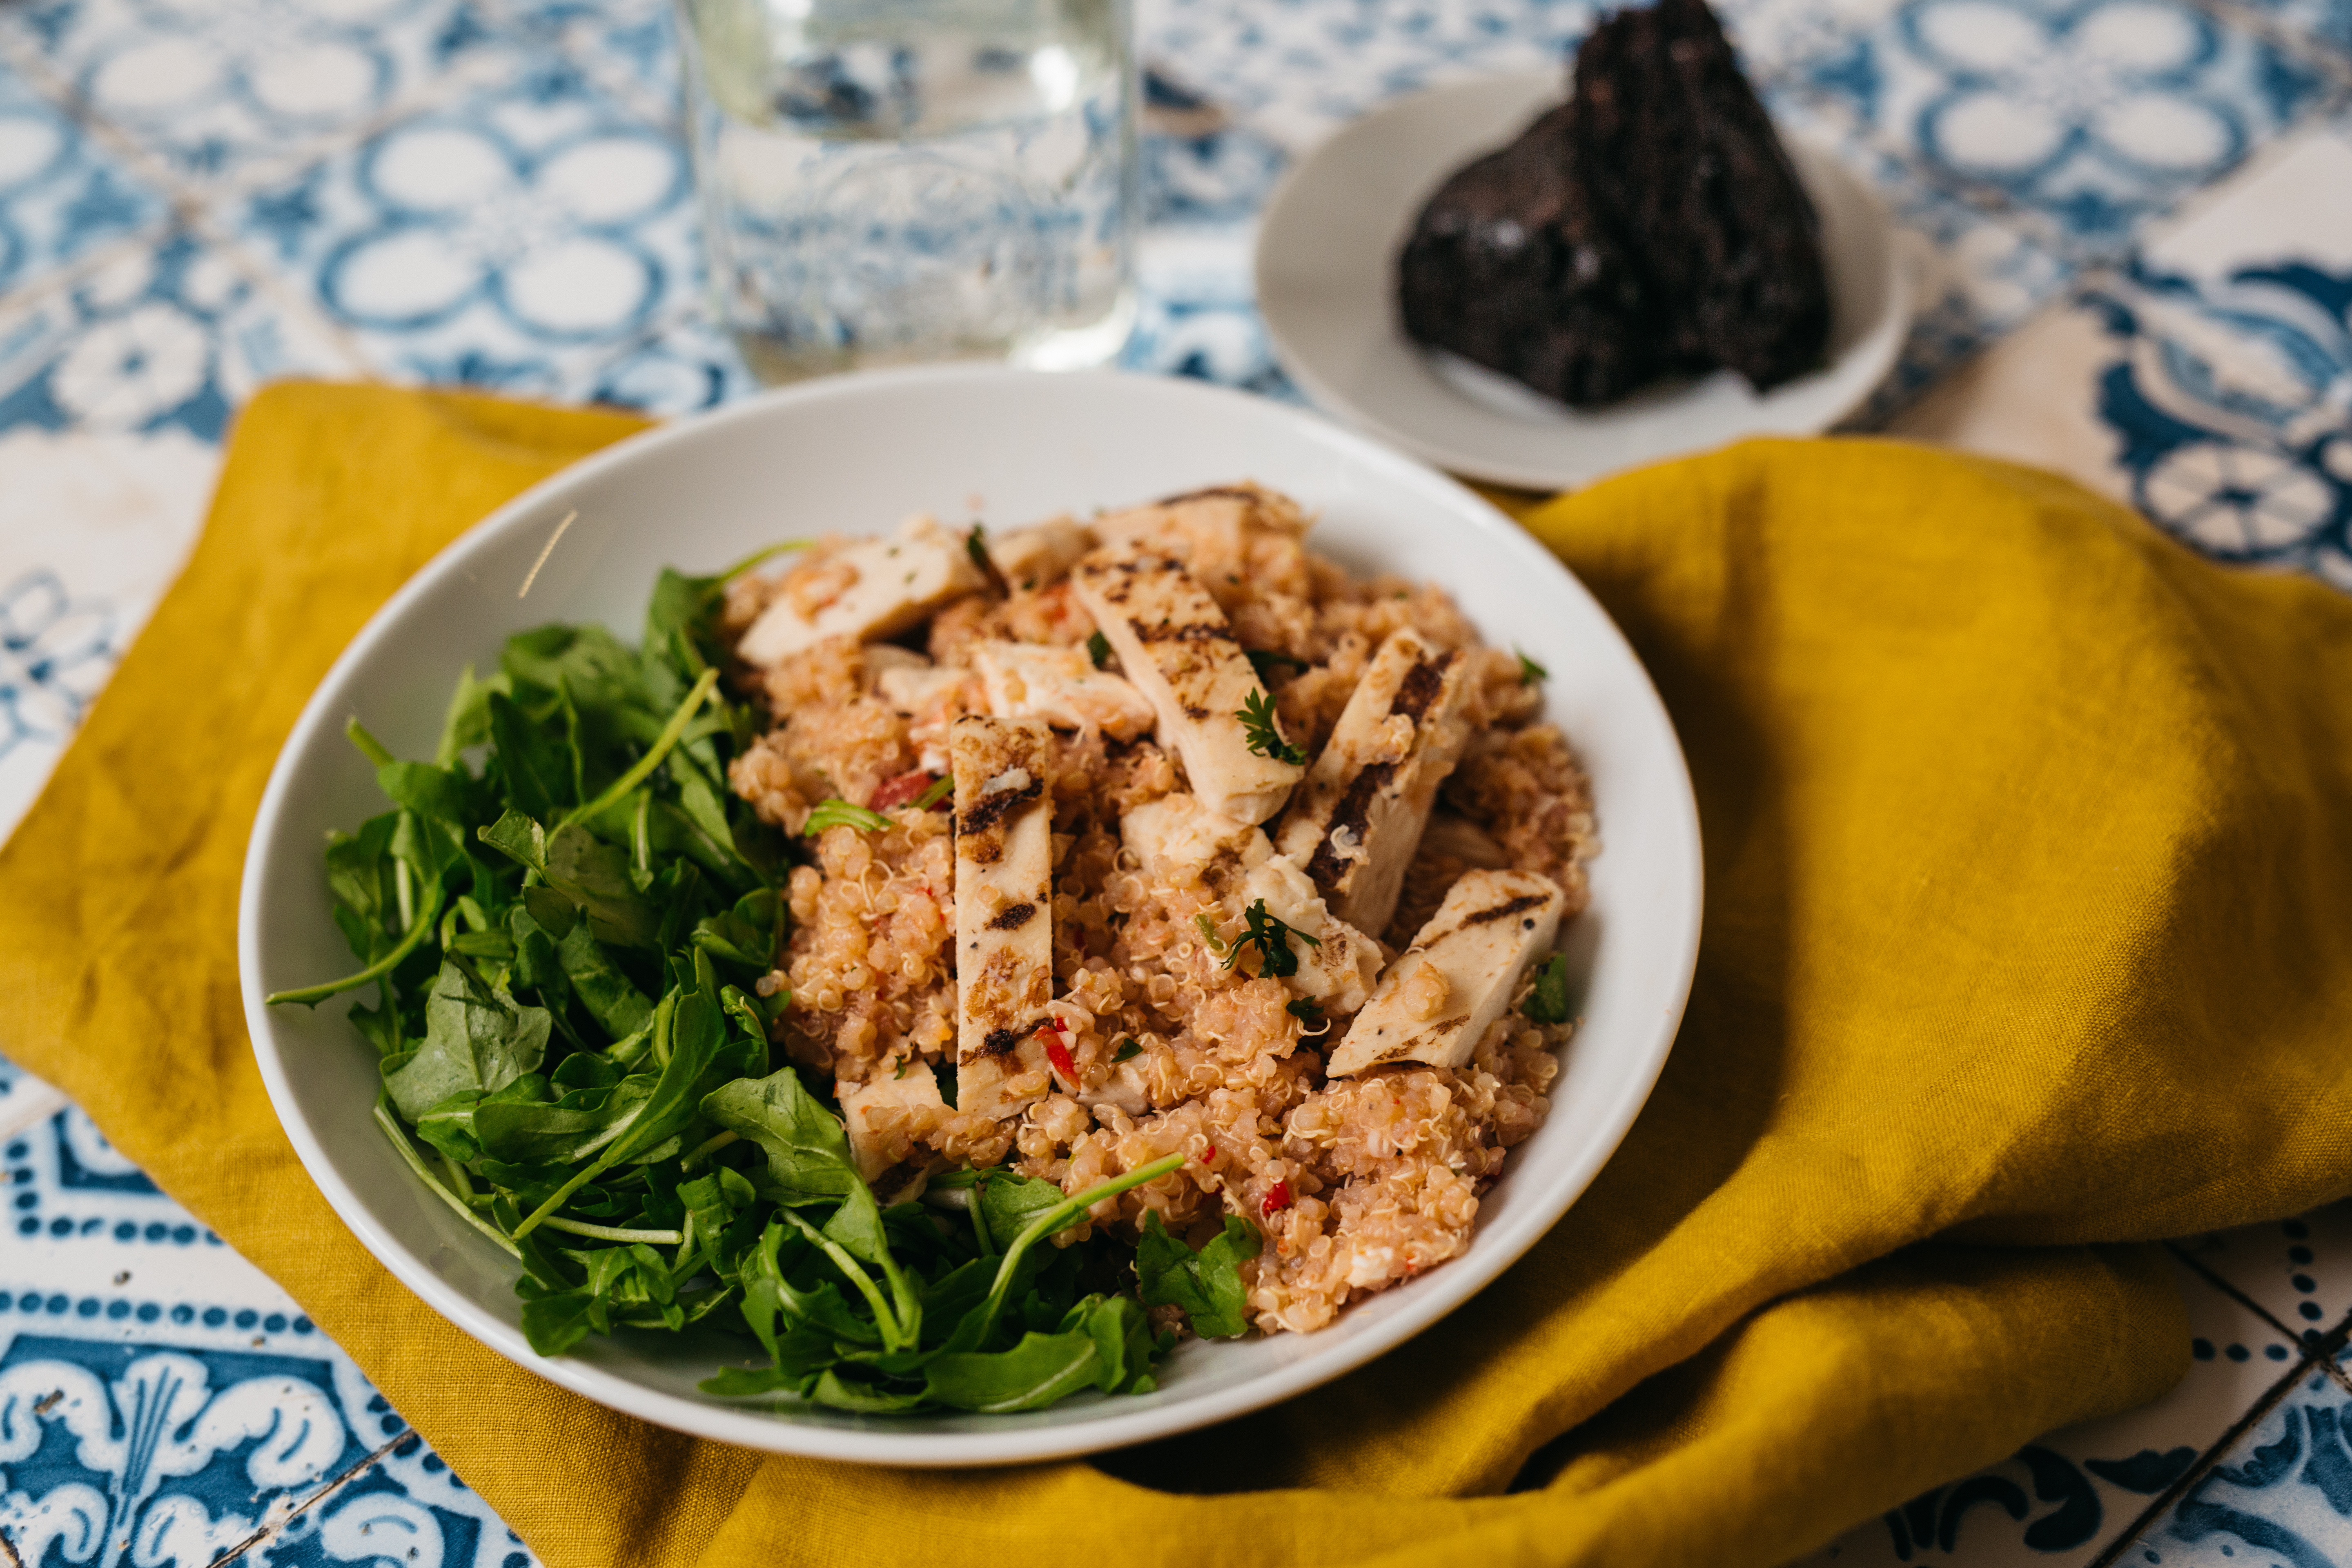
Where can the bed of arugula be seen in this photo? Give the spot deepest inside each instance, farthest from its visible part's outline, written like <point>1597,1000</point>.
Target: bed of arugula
<point>563,920</point>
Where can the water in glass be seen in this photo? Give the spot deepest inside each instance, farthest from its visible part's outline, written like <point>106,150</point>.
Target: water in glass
<point>894,180</point>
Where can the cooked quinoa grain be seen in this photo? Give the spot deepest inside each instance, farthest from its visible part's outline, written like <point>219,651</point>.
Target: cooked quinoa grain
<point>1176,1025</point>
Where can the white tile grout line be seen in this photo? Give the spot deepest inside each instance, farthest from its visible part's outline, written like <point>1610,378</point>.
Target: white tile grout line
<point>2319,1352</point>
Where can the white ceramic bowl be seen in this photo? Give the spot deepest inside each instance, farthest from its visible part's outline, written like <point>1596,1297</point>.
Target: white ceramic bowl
<point>1327,254</point>
<point>857,454</point>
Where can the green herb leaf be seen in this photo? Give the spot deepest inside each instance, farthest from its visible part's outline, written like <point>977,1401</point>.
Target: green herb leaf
<point>1127,1052</point>
<point>1530,672</point>
<point>976,545</point>
<point>837,812</point>
<point>1263,735</point>
<point>1216,944</point>
<point>1266,661</point>
<point>537,763</point>
<point>1548,1000</point>
<point>1271,937</point>
<point>807,1153</point>
<point>468,721</point>
<point>1099,650</point>
<point>595,875</point>
<point>935,794</point>
<point>1207,1285</point>
<point>1042,1370</point>
<point>474,1038</point>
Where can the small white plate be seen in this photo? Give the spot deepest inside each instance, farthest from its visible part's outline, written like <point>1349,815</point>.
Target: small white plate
<point>1326,250</point>
<point>857,453</point>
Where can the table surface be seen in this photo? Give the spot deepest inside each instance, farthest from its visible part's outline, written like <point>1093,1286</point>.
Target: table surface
<point>2131,224</point>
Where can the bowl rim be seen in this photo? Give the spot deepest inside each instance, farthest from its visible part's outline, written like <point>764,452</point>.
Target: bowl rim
<point>1877,348</point>
<point>1093,1427</point>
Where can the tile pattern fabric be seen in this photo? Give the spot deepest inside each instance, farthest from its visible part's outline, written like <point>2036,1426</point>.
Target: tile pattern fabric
<point>2122,271</point>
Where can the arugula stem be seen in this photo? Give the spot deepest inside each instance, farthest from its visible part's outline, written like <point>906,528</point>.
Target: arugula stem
<point>757,556</point>
<point>643,766</point>
<point>684,1245</point>
<point>710,1145</point>
<point>885,1318</point>
<point>408,1152</point>
<point>370,748</point>
<point>641,835</point>
<point>417,931</point>
<point>611,1232</point>
<point>979,1221</point>
<point>459,1183</point>
<point>403,892</point>
<point>544,1214</point>
<point>1058,1218</point>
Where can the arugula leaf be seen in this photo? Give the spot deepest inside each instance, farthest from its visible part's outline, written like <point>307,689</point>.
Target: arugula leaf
<point>1207,1285</point>
<point>468,721</point>
<point>749,934</point>
<point>519,1132</point>
<point>807,1151</point>
<point>1124,1344</point>
<point>595,875</point>
<point>841,814</point>
<point>1548,1000</point>
<point>362,880</point>
<point>444,795</point>
<point>518,835</point>
<point>1008,1203</point>
<point>474,1038</point>
<point>537,768</point>
<point>1042,1370</point>
<point>588,663</point>
<point>609,996</point>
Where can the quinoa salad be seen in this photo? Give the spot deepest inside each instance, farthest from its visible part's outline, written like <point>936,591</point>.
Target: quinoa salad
<point>1260,863</point>
<point>956,967</point>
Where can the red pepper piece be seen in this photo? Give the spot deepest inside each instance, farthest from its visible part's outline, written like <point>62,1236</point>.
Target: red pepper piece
<point>1210,1158</point>
<point>895,792</point>
<point>1059,1055</point>
<point>1277,1198</point>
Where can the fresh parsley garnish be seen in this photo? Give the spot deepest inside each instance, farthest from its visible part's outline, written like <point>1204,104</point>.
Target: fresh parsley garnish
<point>1128,1050</point>
<point>837,812</point>
<point>1266,661</point>
<point>1099,650</point>
<point>1256,714</point>
<point>1547,1000</point>
<point>976,545</point>
<point>937,792</point>
<point>1530,672</point>
<point>1307,1010</point>
<point>1268,934</point>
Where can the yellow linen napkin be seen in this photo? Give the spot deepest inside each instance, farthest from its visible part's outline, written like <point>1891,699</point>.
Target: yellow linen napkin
<point>2028,927</point>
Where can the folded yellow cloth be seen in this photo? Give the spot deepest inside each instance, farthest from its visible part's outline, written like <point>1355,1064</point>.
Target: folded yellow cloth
<point>2028,927</point>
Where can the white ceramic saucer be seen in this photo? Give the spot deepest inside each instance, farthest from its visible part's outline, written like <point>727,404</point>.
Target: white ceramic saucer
<point>1327,254</point>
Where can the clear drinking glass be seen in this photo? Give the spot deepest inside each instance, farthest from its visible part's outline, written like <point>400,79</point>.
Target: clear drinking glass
<point>892,180</point>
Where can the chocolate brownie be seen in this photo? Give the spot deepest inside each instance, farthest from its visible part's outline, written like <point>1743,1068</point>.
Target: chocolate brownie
<point>1650,226</point>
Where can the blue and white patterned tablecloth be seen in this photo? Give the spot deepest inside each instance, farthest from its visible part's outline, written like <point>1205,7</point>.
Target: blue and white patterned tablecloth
<point>2131,221</point>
